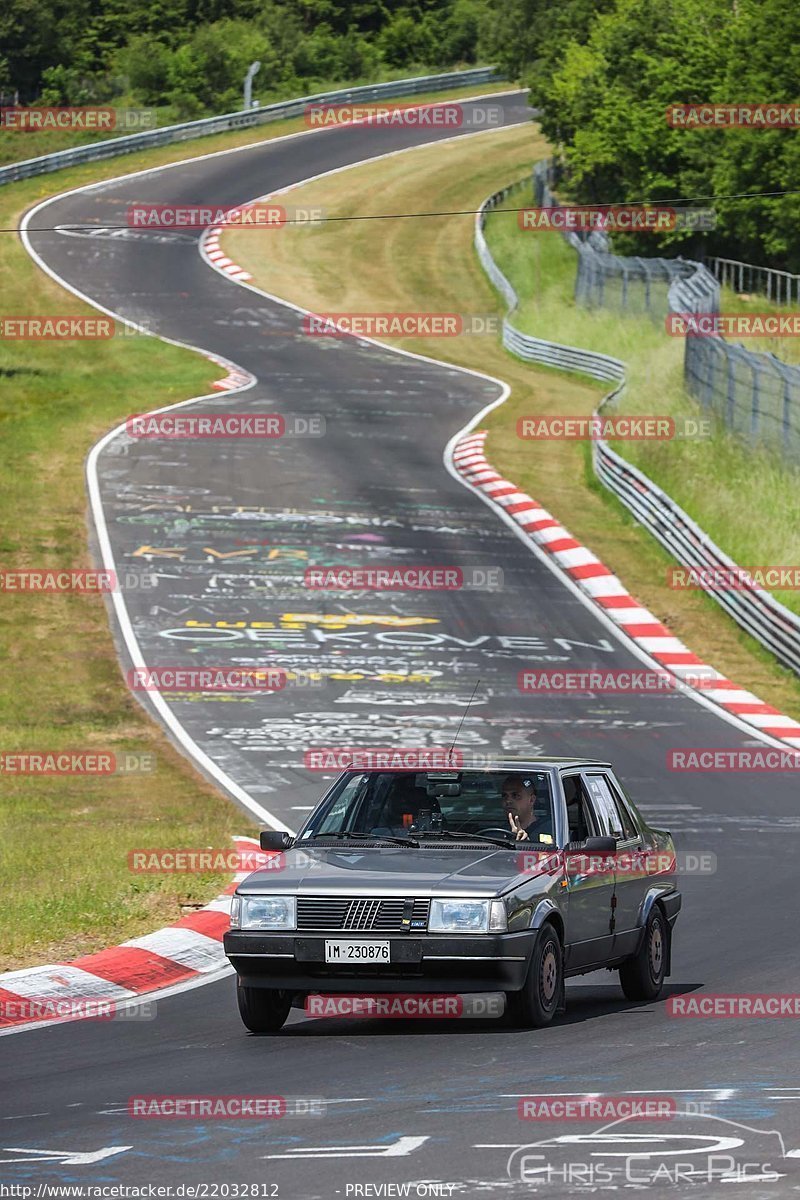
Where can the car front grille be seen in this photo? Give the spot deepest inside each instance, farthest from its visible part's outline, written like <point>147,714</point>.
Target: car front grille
<point>363,914</point>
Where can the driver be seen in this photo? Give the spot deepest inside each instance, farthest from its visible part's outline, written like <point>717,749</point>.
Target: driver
<point>519,800</point>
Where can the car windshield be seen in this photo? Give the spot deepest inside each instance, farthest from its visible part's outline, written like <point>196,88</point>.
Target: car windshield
<point>512,806</point>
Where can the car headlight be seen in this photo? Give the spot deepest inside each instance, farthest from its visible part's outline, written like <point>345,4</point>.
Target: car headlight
<point>263,912</point>
<point>467,916</point>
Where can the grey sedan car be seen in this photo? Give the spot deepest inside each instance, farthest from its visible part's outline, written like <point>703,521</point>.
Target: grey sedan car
<point>509,878</point>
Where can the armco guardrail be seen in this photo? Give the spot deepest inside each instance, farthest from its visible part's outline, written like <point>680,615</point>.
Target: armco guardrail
<point>110,148</point>
<point>524,345</point>
<point>754,609</point>
<point>773,625</point>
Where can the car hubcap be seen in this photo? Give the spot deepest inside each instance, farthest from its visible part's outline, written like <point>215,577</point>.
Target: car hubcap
<point>656,950</point>
<point>549,974</point>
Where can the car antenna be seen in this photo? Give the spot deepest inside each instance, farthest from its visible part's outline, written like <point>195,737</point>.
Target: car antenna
<point>461,722</point>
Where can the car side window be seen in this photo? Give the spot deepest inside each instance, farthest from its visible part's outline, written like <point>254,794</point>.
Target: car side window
<point>629,826</point>
<point>581,821</point>
<point>608,811</point>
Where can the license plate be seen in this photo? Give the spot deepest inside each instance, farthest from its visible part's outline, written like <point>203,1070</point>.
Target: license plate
<point>356,952</point>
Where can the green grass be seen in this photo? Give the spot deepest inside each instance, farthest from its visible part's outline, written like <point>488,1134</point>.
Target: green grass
<point>785,348</point>
<point>64,841</point>
<point>716,479</point>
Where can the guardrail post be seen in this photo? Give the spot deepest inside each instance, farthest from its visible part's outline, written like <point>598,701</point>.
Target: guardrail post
<point>755,409</point>
<point>787,410</point>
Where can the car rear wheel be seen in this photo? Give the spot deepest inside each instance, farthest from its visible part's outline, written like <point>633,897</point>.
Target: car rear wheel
<point>263,1010</point>
<point>537,1003</point>
<point>642,977</point>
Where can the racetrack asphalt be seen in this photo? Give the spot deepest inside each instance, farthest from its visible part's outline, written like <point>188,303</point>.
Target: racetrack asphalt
<point>376,481</point>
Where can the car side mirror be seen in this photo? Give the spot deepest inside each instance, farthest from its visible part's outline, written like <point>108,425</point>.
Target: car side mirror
<point>599,845</point>
<point>275,839</point>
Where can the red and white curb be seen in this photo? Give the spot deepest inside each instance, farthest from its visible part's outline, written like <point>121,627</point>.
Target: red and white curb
<point>608,593</point>
<point>235,378</point>
<point>219,258</point>
<point>189,949</point>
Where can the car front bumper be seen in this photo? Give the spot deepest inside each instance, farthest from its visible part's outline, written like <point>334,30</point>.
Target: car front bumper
<point>423,964</point>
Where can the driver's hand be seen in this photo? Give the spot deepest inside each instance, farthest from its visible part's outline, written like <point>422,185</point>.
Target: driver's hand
<point>519,833</point>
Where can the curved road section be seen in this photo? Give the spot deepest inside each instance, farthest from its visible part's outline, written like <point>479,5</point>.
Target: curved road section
<point>228,527</point>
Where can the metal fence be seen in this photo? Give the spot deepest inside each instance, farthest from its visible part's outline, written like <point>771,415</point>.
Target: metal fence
<point>758,612</point>
<point>753,394</point>
<point>110,148</point>
<point>633,285</point>
<point>779,286</point>
<point>756,395</point>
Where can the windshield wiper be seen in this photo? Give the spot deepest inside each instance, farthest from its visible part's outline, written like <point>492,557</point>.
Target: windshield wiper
<point>451,836</point>
<point>343,834</point>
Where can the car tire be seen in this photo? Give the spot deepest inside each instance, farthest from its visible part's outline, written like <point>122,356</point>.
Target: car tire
<point>537,1003</point>
<point>642,977</point>
<point>263,1010</point>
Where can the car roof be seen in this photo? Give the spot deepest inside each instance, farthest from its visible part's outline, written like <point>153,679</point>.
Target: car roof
<point>503,762</point>
<point>523,763</point>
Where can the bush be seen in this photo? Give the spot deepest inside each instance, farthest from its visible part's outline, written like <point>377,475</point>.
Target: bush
<point>63,85</point>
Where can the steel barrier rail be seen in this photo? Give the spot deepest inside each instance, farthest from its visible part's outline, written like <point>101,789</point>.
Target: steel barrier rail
<point>524,345</point>
<point>111,147</point>
<point>754,609</point>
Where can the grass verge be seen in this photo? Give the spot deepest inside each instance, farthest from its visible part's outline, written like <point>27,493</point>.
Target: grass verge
<point>64,841</point>
<point>428,264</point>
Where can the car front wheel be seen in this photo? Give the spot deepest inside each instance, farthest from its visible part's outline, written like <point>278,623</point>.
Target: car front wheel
<point>263,1010</point>
<point>537,1003</point>
<point>642,977</point>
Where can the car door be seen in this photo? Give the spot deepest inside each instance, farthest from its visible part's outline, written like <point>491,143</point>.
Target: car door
<point>590,880</point>
<point>631,873</point>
